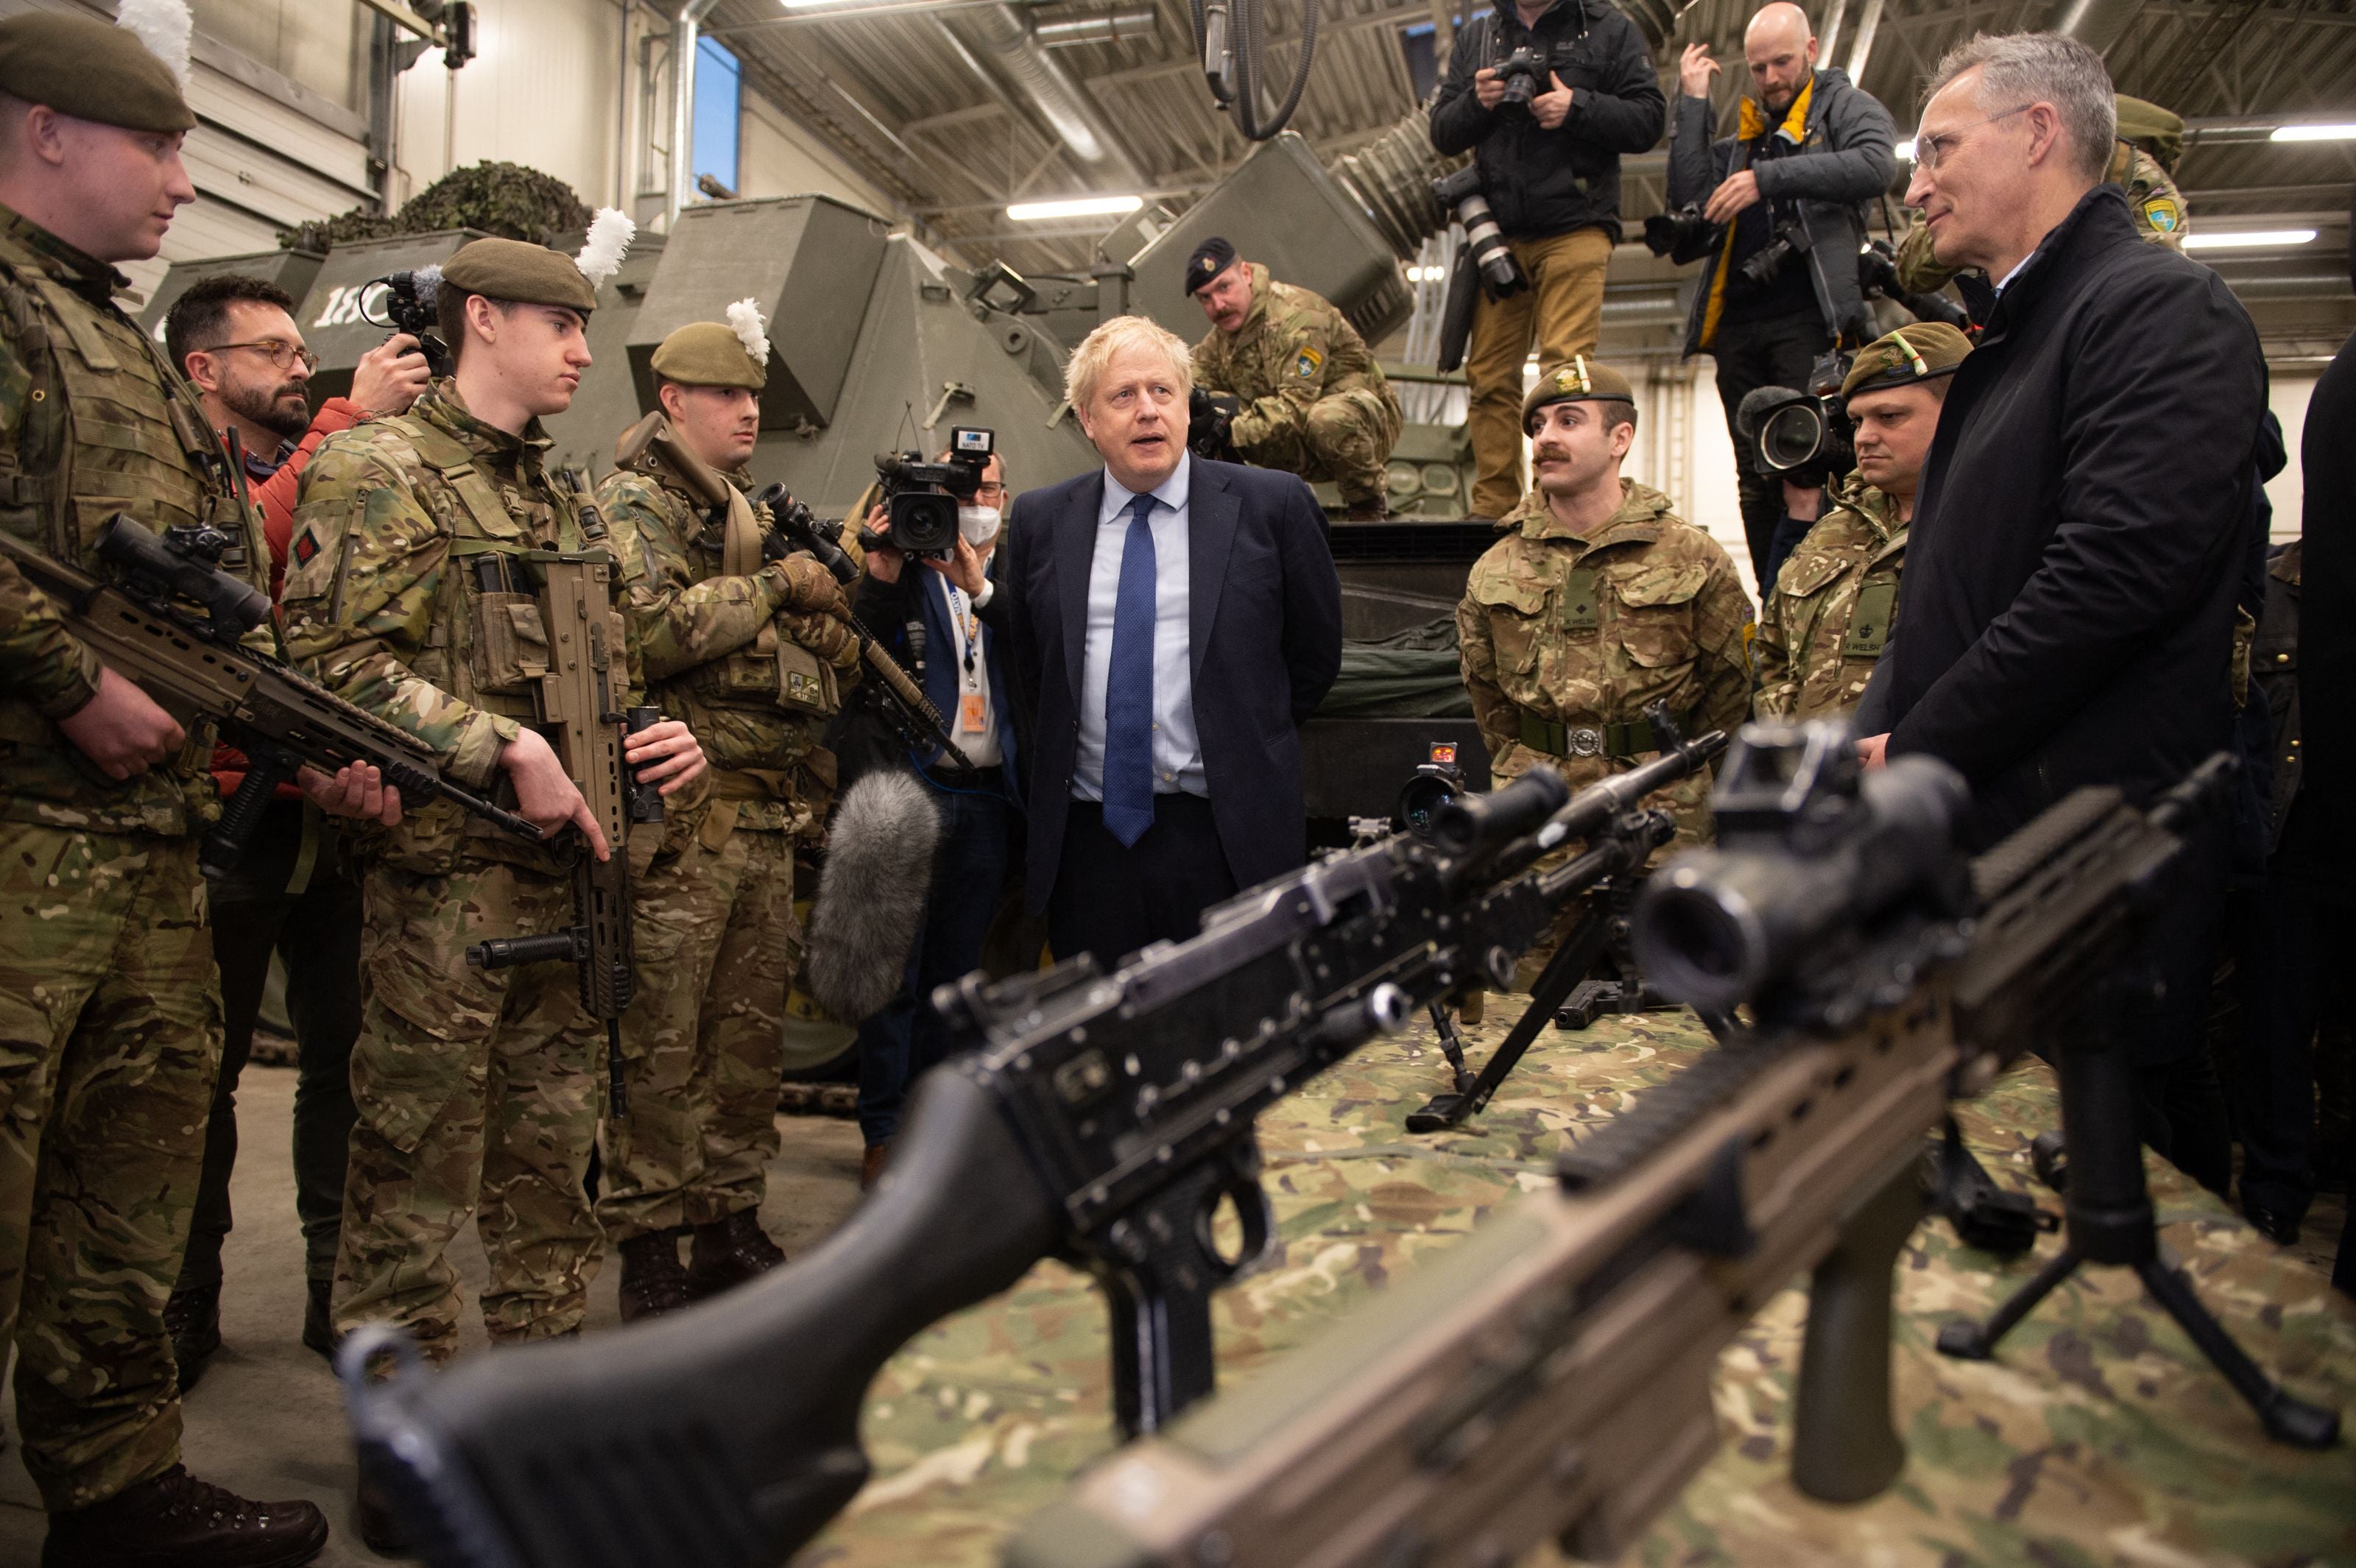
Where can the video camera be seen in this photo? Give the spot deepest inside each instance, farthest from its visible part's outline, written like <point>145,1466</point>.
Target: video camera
<point>922,498</point>
<point>1801,435</point>
<point>1526,73</point>
<point>408,303</point>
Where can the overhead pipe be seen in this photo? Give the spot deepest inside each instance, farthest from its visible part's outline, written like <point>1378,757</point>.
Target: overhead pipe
<point>683,30</point>
<point>2098,24</point>
<point>1106,27</point>
<point>1041,79</point>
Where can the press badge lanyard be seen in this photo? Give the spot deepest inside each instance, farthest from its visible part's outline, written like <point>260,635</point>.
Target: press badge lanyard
<point>969,704</point>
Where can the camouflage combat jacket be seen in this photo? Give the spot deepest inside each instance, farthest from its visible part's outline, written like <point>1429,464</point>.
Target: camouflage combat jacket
<point>92,423</point>
<point>2153,202</point>
<point>1832,608</point>
<point>1293,350</point>
<point>722,652</point>
<point>385,603</point>
<point>1564,641</point>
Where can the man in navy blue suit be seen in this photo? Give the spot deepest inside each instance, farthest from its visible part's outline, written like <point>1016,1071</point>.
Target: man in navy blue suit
<point>1172,621</point>
<point>966,679</point>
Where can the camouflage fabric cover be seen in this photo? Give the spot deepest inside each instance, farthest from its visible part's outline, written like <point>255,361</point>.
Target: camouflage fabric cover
<point>2097,1436</point>
<point>495,196</point>
<point>704,1036</point>
<point>1315,404</point>
<point>110,1037</point>
<point>66,350</point>
<point>2153,202</point>
<point>477,1095</point>
<point>1584,632</point>
<point>1810,666</point>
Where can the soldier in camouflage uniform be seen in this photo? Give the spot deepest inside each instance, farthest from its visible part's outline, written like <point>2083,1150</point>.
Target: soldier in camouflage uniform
<point>1314,402</point>
<point>2151,139</point>
<point>1597,602</point>
<point>751,652</point>
<point>109,1004</point>
<point>1835,600</point>
<point>473,1087</point>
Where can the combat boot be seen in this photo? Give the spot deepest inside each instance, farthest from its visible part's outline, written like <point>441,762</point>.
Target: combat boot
<point>728,1253</point>
<point>653,1283</point>
<point>192,1318</point>
<point>1375,511</point>
<point>872,1164</point>
<point>178,1520</point>
<point>318,1320</point>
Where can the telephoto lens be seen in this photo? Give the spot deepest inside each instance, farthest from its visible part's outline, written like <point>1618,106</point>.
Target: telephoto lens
<point>1460,193</point>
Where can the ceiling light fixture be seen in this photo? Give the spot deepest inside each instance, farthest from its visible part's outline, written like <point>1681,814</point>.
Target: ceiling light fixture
<point>1078,207</point>
<point>2341,133</point>
<point>1905,151</point>
<point>2248,239</point>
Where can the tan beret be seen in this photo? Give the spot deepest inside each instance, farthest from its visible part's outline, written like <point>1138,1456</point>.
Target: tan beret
<point>92,71</point>
<point>1582,380</point>
<point>708,354</point>
<point>521,273</point>
<point>2158,131</point>
<point>1911,354</point>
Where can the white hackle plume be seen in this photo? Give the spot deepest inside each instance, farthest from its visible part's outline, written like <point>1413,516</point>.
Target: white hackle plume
<point>610,233</point>
<point>164,27</point>
<point>745,319</point>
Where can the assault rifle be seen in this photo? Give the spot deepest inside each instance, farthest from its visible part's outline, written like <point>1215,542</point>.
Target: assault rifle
<point>1551,1376</point>
<point>579,697</point>
<point>1099,1119</point>
<point>899,699</point>
<point>142,627</point>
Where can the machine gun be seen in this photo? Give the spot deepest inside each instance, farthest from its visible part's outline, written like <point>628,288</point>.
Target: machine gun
<point>900,700</point>
<point>1100,1118</point>
<point>194,663</point>
<point>1210,424</point>
<point>580,699</point>
<point>1551,1376</point>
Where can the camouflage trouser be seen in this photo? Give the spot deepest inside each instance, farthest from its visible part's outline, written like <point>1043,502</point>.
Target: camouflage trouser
<point>704,1036</point>
<point>472,1088</point>
<point>110,1036</point>
<point>1345,438</point>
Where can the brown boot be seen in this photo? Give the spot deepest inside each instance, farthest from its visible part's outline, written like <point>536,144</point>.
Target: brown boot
<point>728,1253</point>
<point>1374,511</point>
<point>871,1167</point>
<point>174,1518</point>
<point>192,1318</point>
<point>653,1283</point>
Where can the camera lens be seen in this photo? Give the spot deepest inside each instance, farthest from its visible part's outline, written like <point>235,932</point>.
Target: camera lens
<point>1791,436</point>
<point>1490,252</point>
<point>925,522</point>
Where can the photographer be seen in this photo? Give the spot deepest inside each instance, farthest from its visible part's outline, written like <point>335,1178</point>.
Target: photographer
<point>966,679</point>
<point>1547,97</point>
<point>1779,205</point>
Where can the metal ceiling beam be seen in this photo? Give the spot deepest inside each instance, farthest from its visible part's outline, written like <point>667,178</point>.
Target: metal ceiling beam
<point>1038,76</point>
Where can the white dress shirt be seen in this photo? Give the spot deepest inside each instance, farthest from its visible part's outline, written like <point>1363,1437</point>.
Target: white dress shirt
<point>1177,749</point>
<point>980,746</point>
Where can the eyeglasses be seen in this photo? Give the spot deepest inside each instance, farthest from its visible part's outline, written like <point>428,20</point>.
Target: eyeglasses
<point>283,356</point>
<point>988,489</point>
<point>1930,150</point>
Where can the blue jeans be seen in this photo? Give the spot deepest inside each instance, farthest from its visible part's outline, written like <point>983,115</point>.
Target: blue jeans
<point>897,1044</point>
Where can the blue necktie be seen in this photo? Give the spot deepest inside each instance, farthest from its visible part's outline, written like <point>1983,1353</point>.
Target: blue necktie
<point>1128,686</point>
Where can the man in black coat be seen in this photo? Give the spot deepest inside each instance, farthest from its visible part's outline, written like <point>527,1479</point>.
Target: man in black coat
<point>2071,577</point>
<point>1175,621</point>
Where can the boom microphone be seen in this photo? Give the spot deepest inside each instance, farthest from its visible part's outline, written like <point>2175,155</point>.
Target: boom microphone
<point>871,894</point>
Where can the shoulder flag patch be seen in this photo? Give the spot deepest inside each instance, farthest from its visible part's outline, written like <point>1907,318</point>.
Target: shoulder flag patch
<point>1309,362</point>
<point>2162,214</point>
<point>307,545</point>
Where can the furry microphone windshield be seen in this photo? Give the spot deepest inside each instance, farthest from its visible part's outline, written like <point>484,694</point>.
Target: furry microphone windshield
<point>871,894</point>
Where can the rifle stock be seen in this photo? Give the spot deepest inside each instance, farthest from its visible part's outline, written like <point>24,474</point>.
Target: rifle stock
<point>1550,1377</point>
<point>282,721</point>
<point>1098,1119</point>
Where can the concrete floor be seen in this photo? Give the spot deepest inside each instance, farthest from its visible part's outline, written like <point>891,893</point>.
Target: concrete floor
<point>267,1419</point>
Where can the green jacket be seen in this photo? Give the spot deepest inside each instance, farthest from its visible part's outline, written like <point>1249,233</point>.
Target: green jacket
<point>1831,609</point>
<point>1293,350</point>
<point>92,421</point>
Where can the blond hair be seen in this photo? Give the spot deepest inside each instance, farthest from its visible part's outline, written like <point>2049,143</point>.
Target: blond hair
<point>1087,363</point>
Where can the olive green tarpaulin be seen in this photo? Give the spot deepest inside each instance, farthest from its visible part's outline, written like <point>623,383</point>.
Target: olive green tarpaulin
<point>1408,675</point>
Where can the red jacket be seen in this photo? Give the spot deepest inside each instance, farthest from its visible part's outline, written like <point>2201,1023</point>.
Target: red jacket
<point>275,497</point>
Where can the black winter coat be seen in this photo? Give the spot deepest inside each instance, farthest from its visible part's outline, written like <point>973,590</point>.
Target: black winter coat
<point>2076,551</point>
<point>1543,183</point>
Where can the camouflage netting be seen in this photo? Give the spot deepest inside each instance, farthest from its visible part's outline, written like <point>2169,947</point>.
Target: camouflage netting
<point>506,199</point>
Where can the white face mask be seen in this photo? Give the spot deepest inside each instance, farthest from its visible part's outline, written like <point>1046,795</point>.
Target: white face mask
<point>978,524</point>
